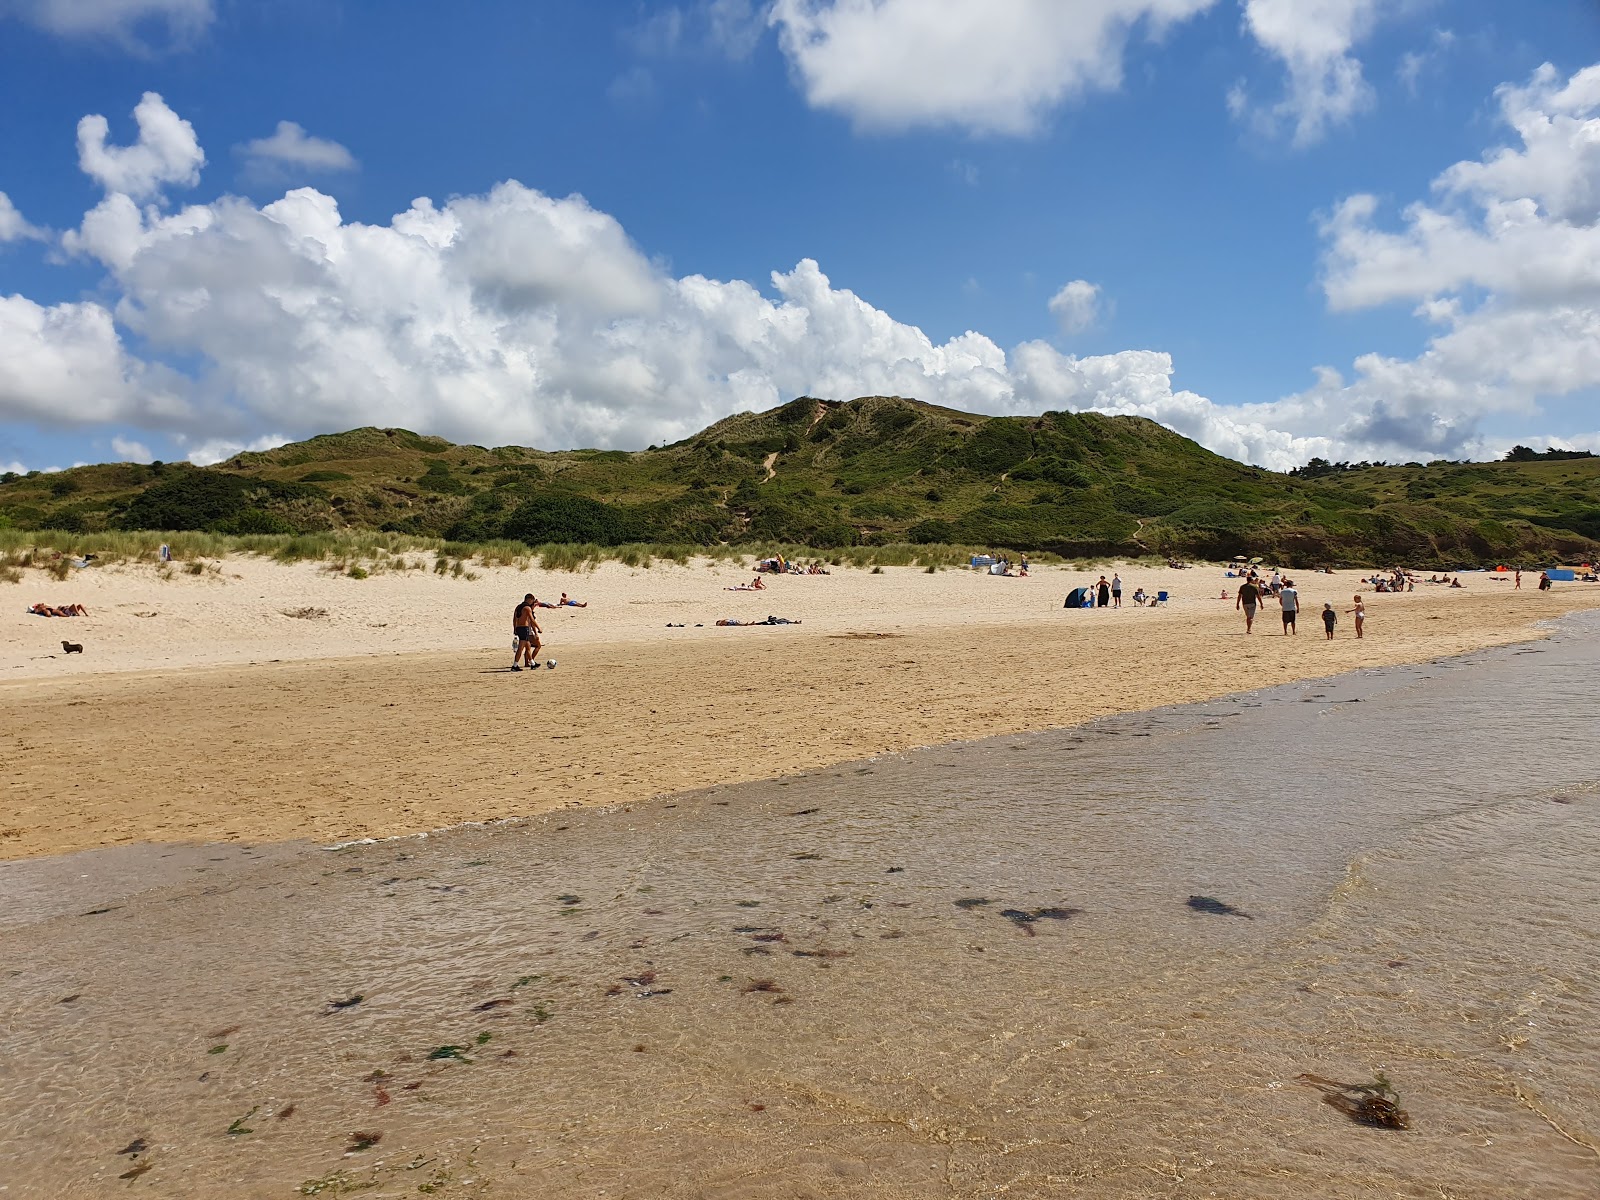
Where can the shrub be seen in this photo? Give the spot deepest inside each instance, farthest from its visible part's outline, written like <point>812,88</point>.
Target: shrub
<point>555,517</point>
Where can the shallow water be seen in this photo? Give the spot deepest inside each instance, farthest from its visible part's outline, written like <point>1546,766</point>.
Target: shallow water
<point>772,990</point>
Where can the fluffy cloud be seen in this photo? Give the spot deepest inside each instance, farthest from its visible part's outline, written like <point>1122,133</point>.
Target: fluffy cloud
<point>65,366</point>
<point>167,151</point>
<point>1505,262</point>
<point>290,146</point>
<point>1313,38</point>
<point>128,450</point>
<point>515,316</point>
<point>997,67</point>
<point>1076,306</point>
<point>119,20</point>
<point>13,227</point>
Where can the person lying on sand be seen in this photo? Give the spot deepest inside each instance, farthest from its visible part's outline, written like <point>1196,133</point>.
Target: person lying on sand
<point>66,610</point>
<point>755,585</point>
<point>568,602</point>
<point>769,621</point>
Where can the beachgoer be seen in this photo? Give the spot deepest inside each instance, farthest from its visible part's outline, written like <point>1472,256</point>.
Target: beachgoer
<point>525,627</point>
<point>1329,619</point>
<point>1517,586</point>
<point>1248,596</point>
<point>1289,601</point>
<point>65,610</point>
<point>1104,590</point>
<point>1456,582</point>
<point>165,553</point>
<point>1544,581</point>
<point>566,602</point>
<point>1139,597</point>
<point>1116,590</point>
<point>1360,611</point>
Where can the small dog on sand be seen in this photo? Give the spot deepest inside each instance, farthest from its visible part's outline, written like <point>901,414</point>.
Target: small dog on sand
<point>72,647</point>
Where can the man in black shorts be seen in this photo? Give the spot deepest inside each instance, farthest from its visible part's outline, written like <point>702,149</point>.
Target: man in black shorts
<point>1289,601</point>
<point>1249,597</point>
<point>526,628</point>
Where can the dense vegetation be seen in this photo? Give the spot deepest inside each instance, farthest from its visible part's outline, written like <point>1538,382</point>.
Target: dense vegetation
<point>869,472</point>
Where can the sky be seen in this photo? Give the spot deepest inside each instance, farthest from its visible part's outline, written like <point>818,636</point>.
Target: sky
<point>1352,229</point>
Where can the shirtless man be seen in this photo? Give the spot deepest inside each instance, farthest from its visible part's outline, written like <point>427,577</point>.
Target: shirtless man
<point>1249,596</point>
<point>526,627</point>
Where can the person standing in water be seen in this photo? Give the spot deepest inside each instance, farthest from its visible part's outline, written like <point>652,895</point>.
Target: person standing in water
<point>1247,599</point>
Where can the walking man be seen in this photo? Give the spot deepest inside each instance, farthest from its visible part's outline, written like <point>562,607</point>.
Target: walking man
<point>1289,601</point>
<point>1249,596</point>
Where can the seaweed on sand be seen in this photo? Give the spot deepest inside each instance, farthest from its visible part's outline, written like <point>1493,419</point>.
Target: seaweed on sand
<point>1023,919</point>
<point>239,1128</point>
<point>760,985</point>
<point>443,1053</point>
<point>135,1148</point>
<point>1376,1104</point>
<point>1210,904</point>
<point>340,1005</point>
<point>971,902</point>
<point>136,1170</point>
<point>363,1141</point>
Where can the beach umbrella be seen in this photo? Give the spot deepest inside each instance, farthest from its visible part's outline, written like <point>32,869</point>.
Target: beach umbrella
<point>1255,560</point>
<point>1240,558</point>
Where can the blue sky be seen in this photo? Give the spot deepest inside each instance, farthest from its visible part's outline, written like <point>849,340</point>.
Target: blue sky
<point>1155,207</point>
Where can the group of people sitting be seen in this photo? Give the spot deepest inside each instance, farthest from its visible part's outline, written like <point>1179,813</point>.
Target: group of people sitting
<point>63,610</point>
<point>1002,566</point>
<point>1444,579</point>
<point>779,565</point>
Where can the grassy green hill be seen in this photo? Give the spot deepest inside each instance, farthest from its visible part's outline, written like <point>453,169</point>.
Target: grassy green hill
<point>877,470</point>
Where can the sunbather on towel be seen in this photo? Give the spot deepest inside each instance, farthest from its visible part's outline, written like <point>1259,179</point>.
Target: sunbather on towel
<point>65,610</point>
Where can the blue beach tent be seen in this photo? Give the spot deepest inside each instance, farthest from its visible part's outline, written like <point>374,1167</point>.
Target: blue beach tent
<point>1079,598</point>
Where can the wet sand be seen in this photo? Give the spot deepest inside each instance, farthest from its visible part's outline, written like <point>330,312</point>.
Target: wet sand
<point>333,749</point>
<point>1091,962</point>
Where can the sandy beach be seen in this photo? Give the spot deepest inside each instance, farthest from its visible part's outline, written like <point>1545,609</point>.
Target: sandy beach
<point>200,710</point>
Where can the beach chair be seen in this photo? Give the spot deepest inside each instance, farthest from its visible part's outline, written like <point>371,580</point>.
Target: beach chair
<point>1161,598</point>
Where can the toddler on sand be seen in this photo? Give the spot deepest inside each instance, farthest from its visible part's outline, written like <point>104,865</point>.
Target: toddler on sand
<point>1329,619</point>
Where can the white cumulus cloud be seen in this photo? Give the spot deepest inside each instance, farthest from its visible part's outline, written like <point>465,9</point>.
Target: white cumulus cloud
<point>1504,261</point>
<point>117,20</point>
<point>128,450</point>
<point>167,151</point>
<point>1076,306</point>
<point>516,316</point>
<point>290,146</point>
<point>13,226</point>
<point>1313,39</point>
<point>996,67</point>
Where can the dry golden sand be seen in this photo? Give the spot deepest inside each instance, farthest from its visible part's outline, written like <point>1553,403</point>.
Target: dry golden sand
<point>179,727</point>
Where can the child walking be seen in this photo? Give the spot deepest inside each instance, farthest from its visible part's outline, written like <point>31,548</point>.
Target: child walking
<point>1329,619</point>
